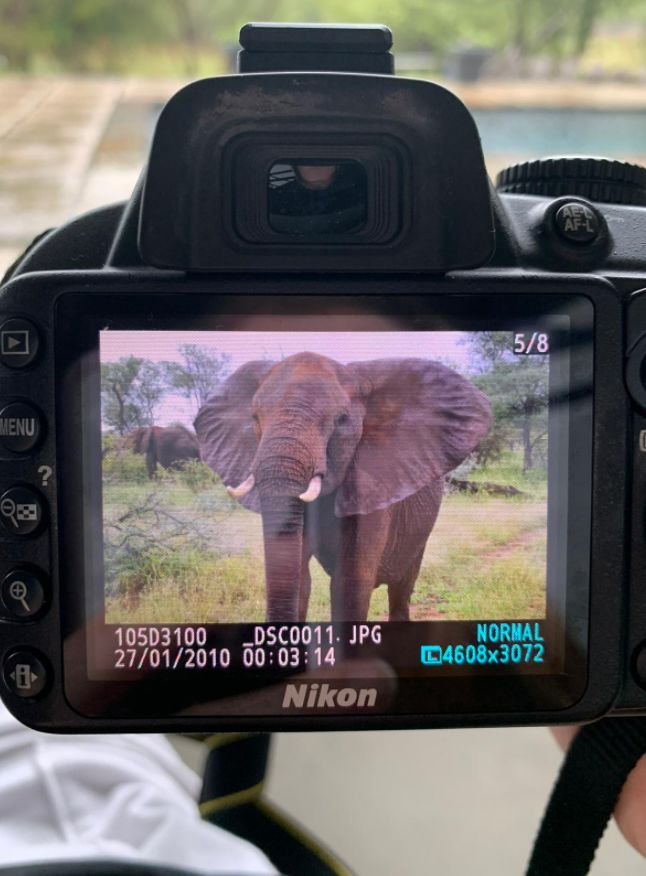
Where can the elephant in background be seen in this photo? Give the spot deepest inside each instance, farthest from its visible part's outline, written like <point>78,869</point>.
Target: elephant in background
<point>345,463</point>
<point>168,446</point>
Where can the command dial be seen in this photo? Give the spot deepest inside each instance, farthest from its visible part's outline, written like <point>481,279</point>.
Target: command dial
<point>604,180</point>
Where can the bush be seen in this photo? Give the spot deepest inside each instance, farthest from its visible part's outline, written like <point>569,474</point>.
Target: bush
<point>147,567</point>
<point>121,465</point>
<point>193,588</point>
<point>149,537</point>
<point>197,476</point>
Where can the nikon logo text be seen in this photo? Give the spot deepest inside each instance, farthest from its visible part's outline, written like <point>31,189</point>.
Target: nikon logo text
<point>322,696</point>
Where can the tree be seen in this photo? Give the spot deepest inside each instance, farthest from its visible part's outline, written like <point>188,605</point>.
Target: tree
<point>150,388</point>
<point>131,388</point>
<point>111,35</point>
<point>200,373</point>
<point>76,34</point>
<point>518,388</point>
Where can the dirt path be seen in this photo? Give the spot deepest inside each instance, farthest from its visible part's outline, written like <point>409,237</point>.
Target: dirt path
<point>430,610</point>
<point>501,552</point>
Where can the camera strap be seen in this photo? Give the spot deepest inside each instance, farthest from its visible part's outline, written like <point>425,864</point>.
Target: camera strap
<point>232,798</point>
<point>581,804</point>
<point>593,773</point>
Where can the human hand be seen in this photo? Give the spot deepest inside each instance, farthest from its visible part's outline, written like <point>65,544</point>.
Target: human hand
<point>630,811</point>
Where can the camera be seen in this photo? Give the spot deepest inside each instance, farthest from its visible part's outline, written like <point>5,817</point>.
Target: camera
<point>321,429</point>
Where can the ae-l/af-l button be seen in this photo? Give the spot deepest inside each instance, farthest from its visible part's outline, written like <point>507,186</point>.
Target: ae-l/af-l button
<point>577,223</point>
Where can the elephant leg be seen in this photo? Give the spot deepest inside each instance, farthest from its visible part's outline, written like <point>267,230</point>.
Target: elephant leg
<point>151,465</point>
<point>411,524</point>
<point>364,540</point>
<point>400,592</point>
<point>305,590</point>
<point>350,598</point>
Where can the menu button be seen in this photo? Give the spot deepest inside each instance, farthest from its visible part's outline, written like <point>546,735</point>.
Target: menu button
<point>20,427</point>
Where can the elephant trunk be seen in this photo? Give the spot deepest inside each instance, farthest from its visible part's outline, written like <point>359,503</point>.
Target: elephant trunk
<point>280,481</point>
<point>282,524</point>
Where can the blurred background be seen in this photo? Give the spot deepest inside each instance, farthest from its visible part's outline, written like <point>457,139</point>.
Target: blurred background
<point>81,84</point>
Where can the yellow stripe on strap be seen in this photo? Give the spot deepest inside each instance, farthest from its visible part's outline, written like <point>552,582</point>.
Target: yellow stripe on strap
<point>228,801</point>
<point>217,740</point>
<point>303,838</point>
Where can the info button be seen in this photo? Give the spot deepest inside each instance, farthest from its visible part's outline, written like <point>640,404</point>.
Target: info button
<point>25,674</point>
<point>20,427</point>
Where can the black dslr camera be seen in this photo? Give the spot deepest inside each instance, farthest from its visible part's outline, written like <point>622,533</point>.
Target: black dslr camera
<point>320,430</point>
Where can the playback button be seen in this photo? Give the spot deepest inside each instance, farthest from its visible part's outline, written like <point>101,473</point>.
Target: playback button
<point>19,342</point>
<point>22,510</point>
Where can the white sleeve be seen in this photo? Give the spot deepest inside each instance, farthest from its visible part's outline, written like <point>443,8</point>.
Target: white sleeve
<point>122,796</point>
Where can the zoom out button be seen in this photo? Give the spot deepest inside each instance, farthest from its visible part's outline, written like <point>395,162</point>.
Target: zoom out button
<point>22,511</point>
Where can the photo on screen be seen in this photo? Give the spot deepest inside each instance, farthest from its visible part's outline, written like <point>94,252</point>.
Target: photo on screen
<point>291,476</point>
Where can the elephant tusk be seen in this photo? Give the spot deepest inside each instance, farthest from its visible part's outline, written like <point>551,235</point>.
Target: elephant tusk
<point>242,489</point>
<point>313,490</point>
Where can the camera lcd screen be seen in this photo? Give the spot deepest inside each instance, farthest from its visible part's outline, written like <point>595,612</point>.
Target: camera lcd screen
<point>433,444</point>
<point>332,495</point>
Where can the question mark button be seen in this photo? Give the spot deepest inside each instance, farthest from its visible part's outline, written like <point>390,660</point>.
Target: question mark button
<point>21,427</point>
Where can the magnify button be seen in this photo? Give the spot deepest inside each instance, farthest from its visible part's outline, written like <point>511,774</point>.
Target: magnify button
<point>22,594</point>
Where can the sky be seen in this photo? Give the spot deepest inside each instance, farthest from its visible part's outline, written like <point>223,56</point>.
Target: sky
<point>242,347</point>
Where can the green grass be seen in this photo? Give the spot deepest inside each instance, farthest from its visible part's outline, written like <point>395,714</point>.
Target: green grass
<point>483,560</point>
<point>214,589</point>
<point>508,471</point>
<point>180,550</point>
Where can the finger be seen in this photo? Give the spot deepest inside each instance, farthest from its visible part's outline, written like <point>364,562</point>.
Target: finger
<point>564,735</point>
<point>630,811</point>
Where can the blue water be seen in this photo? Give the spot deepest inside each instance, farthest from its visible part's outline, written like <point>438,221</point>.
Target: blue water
<point>512,131</point>
<point>536,131</point>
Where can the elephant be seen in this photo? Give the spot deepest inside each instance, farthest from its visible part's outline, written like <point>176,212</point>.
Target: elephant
<point>345,463</point>
<point>168,446</point>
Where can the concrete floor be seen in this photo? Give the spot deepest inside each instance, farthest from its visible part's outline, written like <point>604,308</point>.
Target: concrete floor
<point>413,803</point>
<point>442,802</point>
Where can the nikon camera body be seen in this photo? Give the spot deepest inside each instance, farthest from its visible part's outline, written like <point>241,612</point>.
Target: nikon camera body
<point>320,430</point>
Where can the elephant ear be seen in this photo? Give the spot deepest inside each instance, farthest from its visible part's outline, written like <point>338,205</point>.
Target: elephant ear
<point>224,428</point>
<point>422,420</point>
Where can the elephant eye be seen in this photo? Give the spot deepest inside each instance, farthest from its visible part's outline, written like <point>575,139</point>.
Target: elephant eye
<point>342,419</point>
